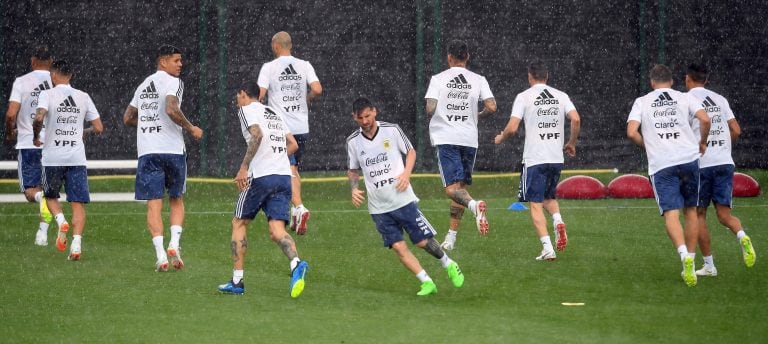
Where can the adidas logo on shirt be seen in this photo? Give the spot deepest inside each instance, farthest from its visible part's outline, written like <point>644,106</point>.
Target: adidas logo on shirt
<point>664,100</point>
<point>709,105</point>
<point>42,87</point>
<point>459,82</point>
<point>150,92</point>
<point>546,98</point>
<point>68,105</point>
<point>289,74</point>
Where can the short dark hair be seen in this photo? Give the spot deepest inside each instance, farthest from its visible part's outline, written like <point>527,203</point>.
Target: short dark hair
<point>41,53</point>
<point>250,87</point>
<point>538,70</point>
<point>698,72</point>
<point>459,50</point>
<point>361,104</point>
<point>167,49</point>
<point>62,67</point>
<point>661,73</point>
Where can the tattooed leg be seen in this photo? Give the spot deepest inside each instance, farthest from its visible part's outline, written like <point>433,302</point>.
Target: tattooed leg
<point>458,194</point>
<point>288,246</point>
<point>239,243</point>
<point>433,247</point>
<point>457,212</point>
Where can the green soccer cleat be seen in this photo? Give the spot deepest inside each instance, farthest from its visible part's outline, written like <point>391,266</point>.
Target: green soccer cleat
<point>748,251</point>
<point>455,274</point>
<point>45,213</point>
<point>427,288</point>
<point>689,275</point>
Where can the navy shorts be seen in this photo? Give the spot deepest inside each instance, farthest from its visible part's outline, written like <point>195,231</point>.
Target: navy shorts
<point>30,168</point>
<point>456,163</point>
<point>301,139</point>
<point>158,172</point>
<point>677,187</point>
<point>74,179</point>
<point>716,185</point>
<point>269,193</point>
<point>539,182</point>
<point>408,218</point>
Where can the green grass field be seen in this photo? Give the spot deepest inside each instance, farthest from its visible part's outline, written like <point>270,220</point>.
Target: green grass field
<point>619,262</point>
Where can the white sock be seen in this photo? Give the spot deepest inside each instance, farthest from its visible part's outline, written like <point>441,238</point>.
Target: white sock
<point>709,261</point>
<point>294,263</point>
<point>175,236</point>
<point>422,276</point>
<point>43,227</point>
<point>556,218</point>
<point>740,234</point>
<point>60,220</point>
<point>237,276</point>
<point>692,255</point>
<point>682,251</point>
<point>546,242</point>
<point>445,261</point>
<point>159,250</point>
<point>38,196</point>
<point>76,242</point>
<point>472,205</point>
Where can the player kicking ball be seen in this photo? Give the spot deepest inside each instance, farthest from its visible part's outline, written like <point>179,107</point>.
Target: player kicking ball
<point>376,149</point>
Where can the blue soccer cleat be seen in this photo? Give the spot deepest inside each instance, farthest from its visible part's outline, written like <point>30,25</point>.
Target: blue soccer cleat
<point>297,279</point>
<point>231,288</point>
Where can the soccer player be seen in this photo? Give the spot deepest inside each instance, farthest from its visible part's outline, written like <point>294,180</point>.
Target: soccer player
<point>377,149</point>
<point>283,82</point>
<point>155,111</point>
<point>663,117</point>
<point>22,105</point>
<point>452,98</point>
<point>544,110</point>
<point>264,181</point>
<point>64,109</point>
<point>716,168</point>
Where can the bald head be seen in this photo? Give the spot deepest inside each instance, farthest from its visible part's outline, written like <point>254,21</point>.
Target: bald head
<point>282,41</point>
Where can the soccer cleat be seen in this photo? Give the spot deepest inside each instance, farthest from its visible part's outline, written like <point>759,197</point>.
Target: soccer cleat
<point>161,265</point>
<point>455,274</point>
<point>427,288</point>
<point>482,222</point>
<point>547,255</point>
<point>41,238</point>
<point>300,220</point>
<point>45,213</point>
<point>448,243</point>
<point>232,288</point>
<point>707,270</point>
<point>61,239</point>
<point>561,238</point>
<point>747,251</point>
<point>297,279</point>
<point>74,254</point>
<point>174,254</point>
<point>689,275</point>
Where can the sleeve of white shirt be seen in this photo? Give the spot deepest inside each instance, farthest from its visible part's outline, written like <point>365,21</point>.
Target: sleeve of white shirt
<point>263,79</point>
<point>694,104</point>
<point>354,164</point>
<point>403,144</point>
<point>432,91</point>
<point>91,113</point>
<point>43,100</point>
<point>15,92</point>
<point>135,99</point>
<point>175,88</point>
<point>485,89</point>
<point>636,114</point>
<point>518,107</point>
<point>727,112</point>
<point>311,76</point>
<point>568,105</point>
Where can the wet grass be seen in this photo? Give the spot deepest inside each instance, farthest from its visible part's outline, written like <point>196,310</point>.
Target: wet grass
<point>619,263</point>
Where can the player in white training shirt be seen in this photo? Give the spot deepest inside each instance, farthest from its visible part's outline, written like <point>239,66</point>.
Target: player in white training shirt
<point>452,98</point>
<point>663,116</point>
<point>155,111</point>
<point>64,110</point>
<point>544,110</point>
<point>264,181</point>
<point>377,149</point>
<point>283,82</point>
<point>22,105</point>
<point>716,168</point>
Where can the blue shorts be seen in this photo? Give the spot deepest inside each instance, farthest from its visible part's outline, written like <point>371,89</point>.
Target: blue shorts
<point>539,182</point>
<point>30,168</point>
<point>456,163</point>
<point>295,159</point>
<point>716,185</point>
<point>408,218</point>
<point>677,187</point>
<point>158,172</point>
<point>74,178</point>
<point>269,193</point>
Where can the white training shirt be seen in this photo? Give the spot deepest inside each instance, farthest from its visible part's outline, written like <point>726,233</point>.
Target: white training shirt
<point>381,159</point>
<point>25,91</point>
<point>457,91</point>
<point>272,156</point>
<point>665,116</point>
<point>286,79</point>
<point>719,141</point>
<point>543,109</point>
<point>68,109</point>
<point>156,132</point>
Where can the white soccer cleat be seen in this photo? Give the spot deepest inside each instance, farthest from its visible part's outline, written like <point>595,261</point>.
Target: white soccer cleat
<point>480,219</point>
<point>449,242</point>
<point>547,255</point>
<point>41,238</point>
<point>161,265</point>
<point>174,253</point>
<point>561,238</point>
<point>707,270</point>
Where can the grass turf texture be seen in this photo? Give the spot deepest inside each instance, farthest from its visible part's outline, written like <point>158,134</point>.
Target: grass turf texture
<point>619,262</point>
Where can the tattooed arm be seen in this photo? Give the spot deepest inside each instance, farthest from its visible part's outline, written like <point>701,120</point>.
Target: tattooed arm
<point>358,196</point>
<point>489,108</point>
<point>131,116</point>
<point>37,126</point>
<point>431,107</point>
<point>253,146</point>
<point>173,110</point>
